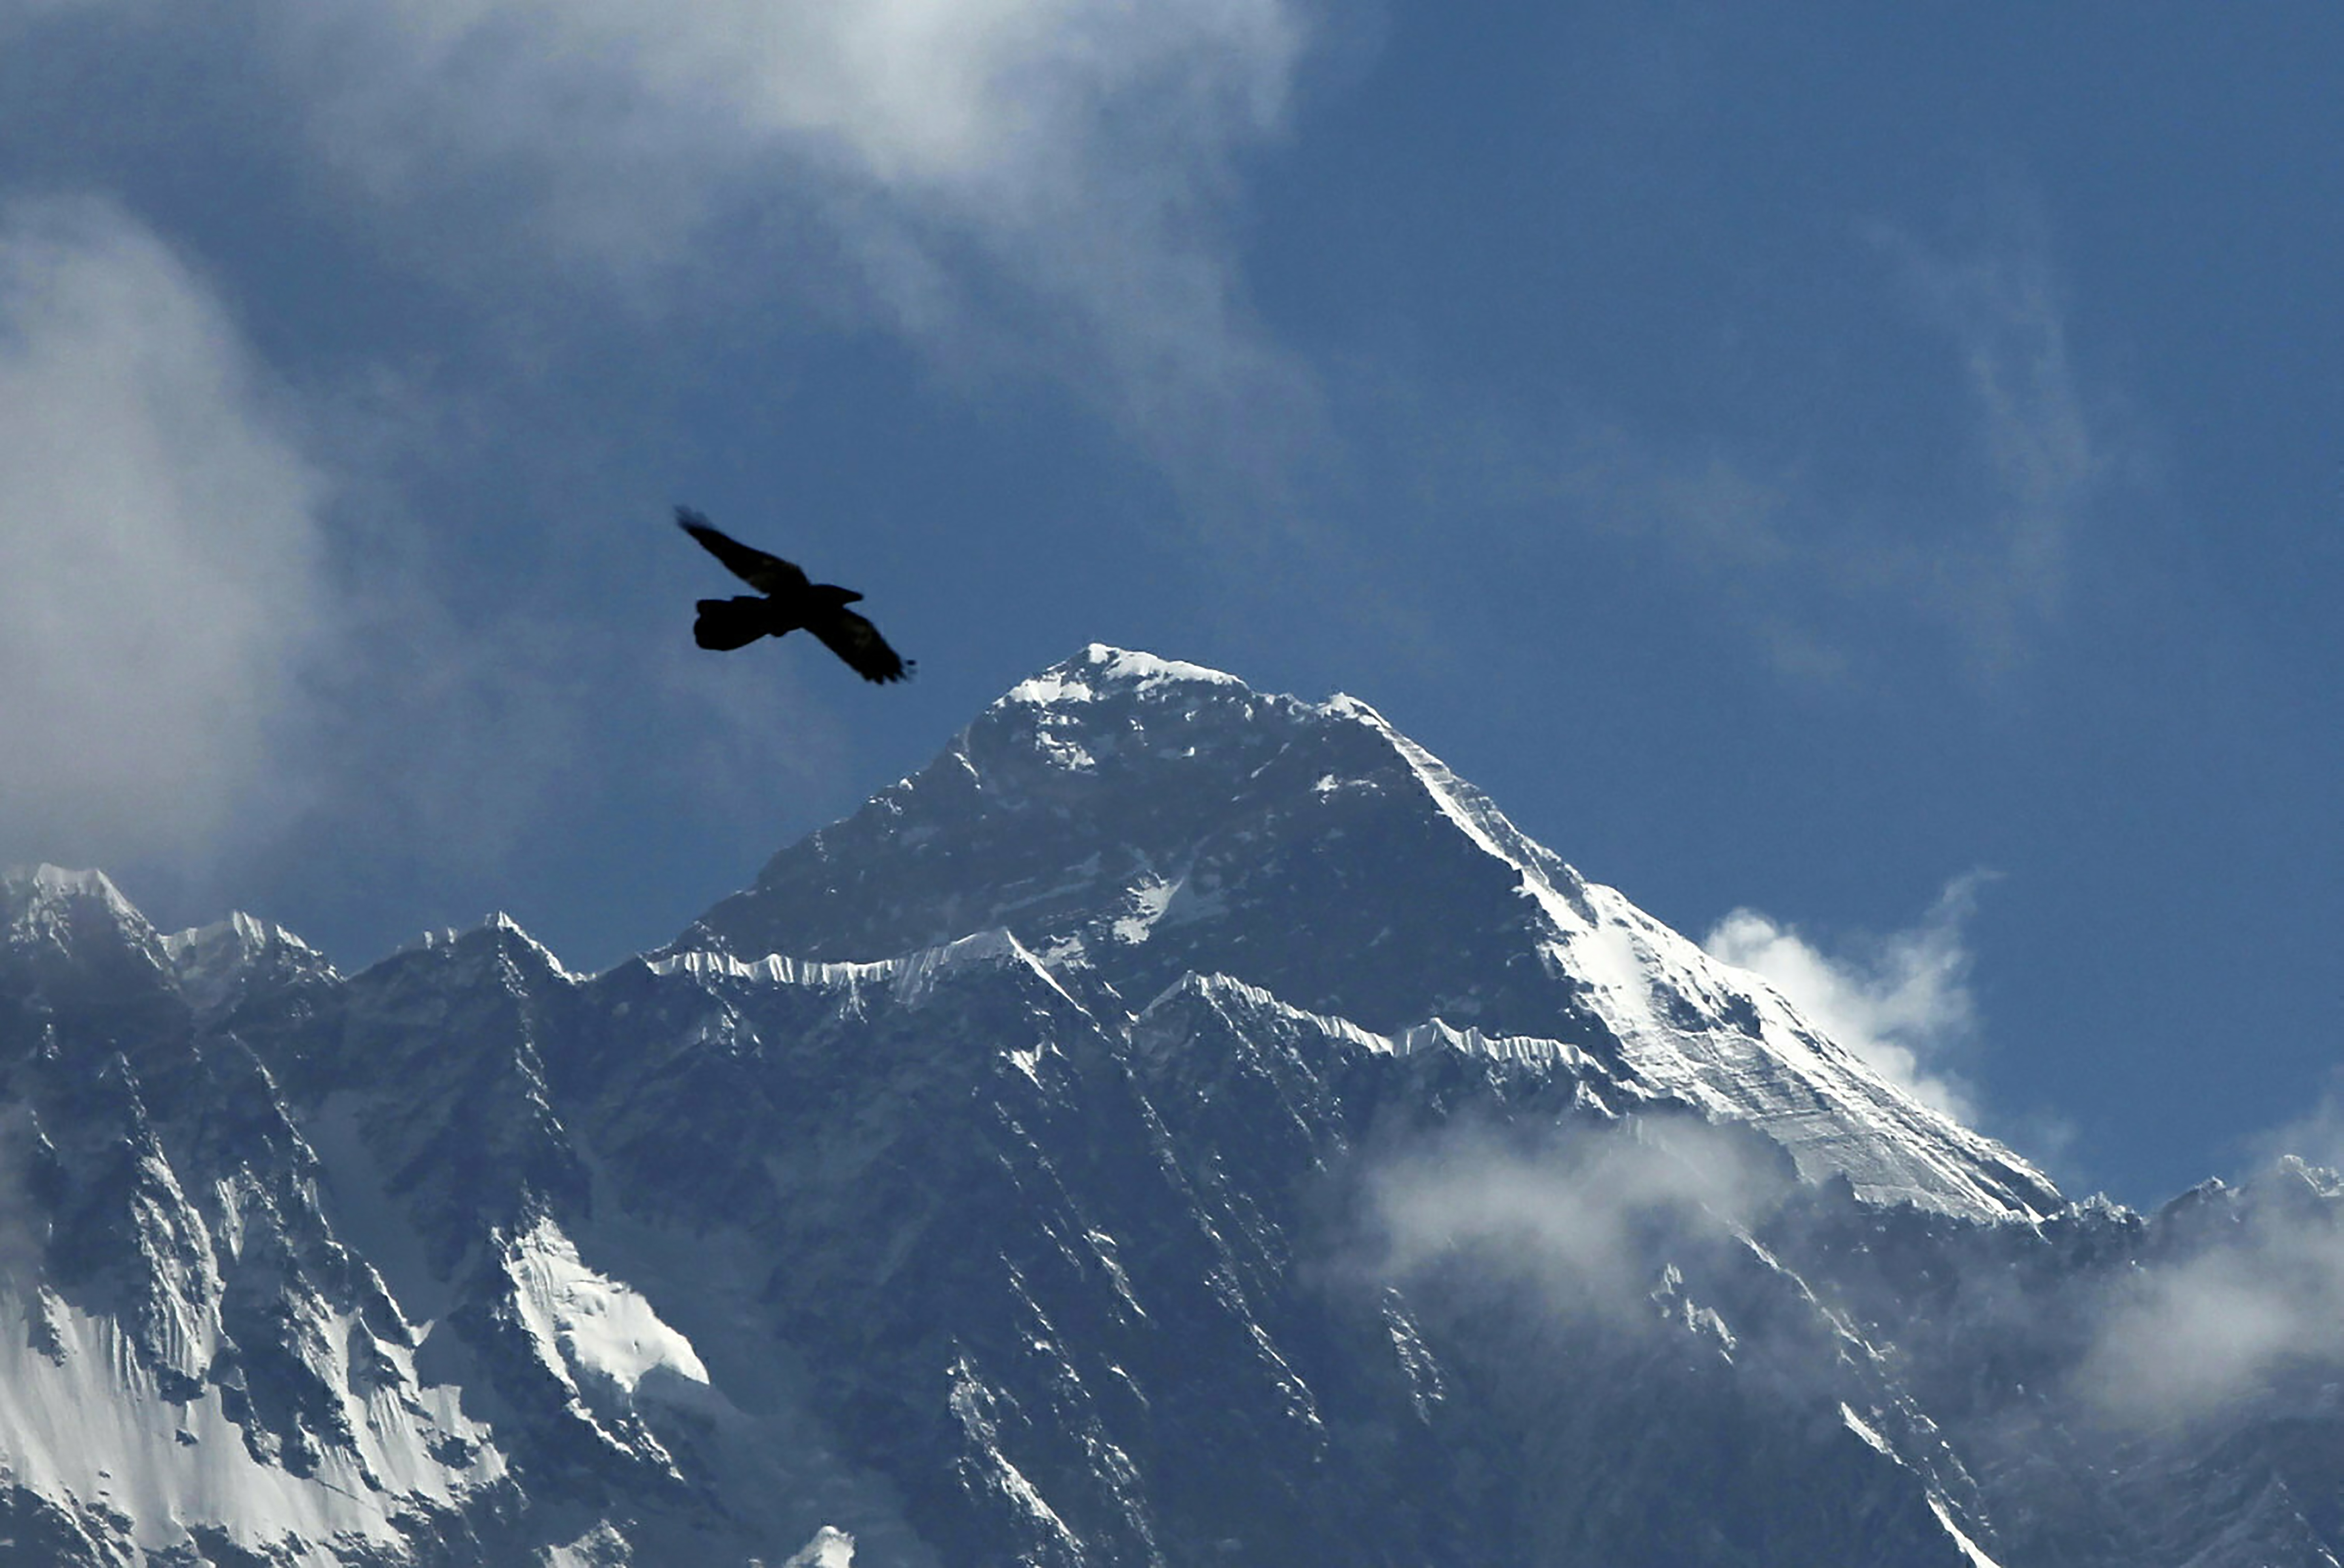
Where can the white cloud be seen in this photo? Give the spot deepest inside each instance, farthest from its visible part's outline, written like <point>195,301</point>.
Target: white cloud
<point>960,96</point>
<point>160,584</point>
<point>1574,1215</point>
<point>1902,1003</point>
<point>1022,187</point>
<point>2183,1339</point>
<point>1018,181</point>
<point>2245,1301</point>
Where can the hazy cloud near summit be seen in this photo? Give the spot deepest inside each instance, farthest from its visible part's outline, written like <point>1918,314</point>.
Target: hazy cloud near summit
<point>2252,1301</point>
<point>1900,1002</point>
<point>1572,1218</point>
<point>2259,1304</point>
<point>160,574</point>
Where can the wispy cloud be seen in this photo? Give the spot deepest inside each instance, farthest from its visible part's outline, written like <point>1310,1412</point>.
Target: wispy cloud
<point>1035,183</point>
<point>1901,1002</point>
<point>2255,1293</point>
<point>965,99</point>
<point>2045,457</point>
<point>161,578</point>
<point>2015,450</point>
<point>1031,192</point>
<point>1572,1216</point>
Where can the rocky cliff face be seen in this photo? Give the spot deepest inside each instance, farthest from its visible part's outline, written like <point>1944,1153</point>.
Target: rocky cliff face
<point>1181,1125</point>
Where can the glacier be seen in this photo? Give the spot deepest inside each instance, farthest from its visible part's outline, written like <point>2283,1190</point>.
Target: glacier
<point>1180,1125</point>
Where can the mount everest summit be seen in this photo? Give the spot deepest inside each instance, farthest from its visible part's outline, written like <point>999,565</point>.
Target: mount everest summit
<point>1180,1125</point>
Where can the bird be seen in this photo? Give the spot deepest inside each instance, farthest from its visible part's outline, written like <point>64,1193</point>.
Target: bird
<point>790,601</point>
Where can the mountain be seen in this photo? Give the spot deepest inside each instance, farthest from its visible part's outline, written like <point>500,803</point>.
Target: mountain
<point>1180,1125</point>
<point>1152,820</point>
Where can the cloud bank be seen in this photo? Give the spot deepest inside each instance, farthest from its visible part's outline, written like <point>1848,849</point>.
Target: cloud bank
<point>160,580</point>
<point>1902,1003</point>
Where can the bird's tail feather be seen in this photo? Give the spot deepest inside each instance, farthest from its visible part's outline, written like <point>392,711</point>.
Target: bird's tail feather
<point>732,622</point>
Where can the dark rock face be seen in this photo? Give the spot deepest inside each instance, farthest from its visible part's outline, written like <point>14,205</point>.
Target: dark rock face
<point>1089,1182</point>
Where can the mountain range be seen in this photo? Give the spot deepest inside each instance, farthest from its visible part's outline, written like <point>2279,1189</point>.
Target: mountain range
<point>1180,1125</point>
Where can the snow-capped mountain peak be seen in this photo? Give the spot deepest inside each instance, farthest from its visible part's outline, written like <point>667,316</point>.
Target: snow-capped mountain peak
<point>1155,818</point>
<point>1100,670</point>
<point>52,904</point>
<point>214,964</point>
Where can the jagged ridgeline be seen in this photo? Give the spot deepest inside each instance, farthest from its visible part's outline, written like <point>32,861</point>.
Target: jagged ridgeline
<point>1181,1125</point>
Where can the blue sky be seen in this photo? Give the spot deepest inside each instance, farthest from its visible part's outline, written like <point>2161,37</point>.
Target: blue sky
<point>1867,483</point>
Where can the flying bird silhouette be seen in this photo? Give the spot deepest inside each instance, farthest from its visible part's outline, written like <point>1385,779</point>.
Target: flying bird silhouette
<point>790,601</point>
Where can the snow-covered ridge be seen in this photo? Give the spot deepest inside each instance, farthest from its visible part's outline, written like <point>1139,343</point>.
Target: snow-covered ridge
<point>494,928</point>
<point>45,883</point>
<point>240,932</point>
<point>910,976</point>
<point>1472,812</point>
<point>1222,991</point>
<point>211,962</point>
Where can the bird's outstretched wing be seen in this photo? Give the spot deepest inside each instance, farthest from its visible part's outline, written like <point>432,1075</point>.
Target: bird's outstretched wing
<point>857,641</point>
<point>768,574</point>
